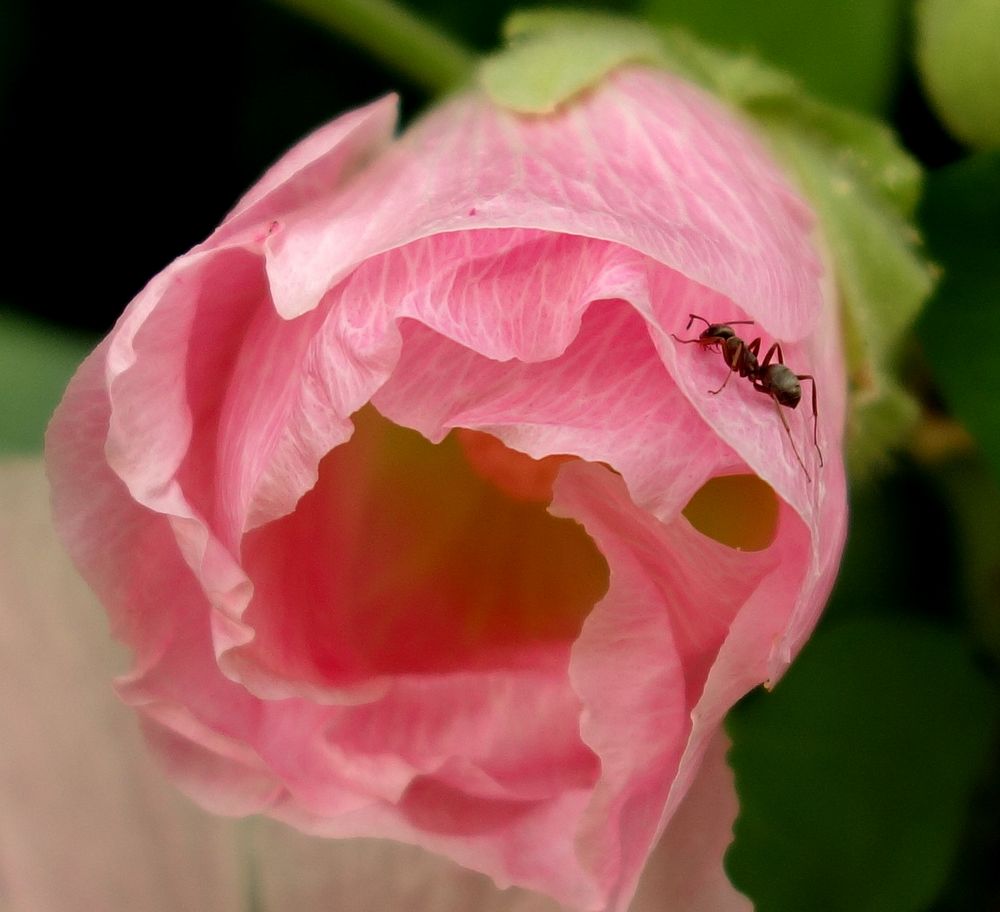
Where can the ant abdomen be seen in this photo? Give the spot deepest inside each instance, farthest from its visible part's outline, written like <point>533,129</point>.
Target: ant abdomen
<point>782,384</point>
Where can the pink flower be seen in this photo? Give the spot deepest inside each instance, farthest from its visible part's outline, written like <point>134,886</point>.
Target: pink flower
<point>489,622</point>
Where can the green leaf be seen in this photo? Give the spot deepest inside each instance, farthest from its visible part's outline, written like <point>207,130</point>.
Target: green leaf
<point>958,52</point>
<point>888,539</point>
<point>553,55</point>
<point>36,362</point>
<point>856,774</point>
<point>974,496</point>
<point>961,217</point>
<point>847,52</point>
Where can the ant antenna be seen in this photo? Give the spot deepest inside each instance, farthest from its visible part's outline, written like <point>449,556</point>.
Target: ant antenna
<point>693,317</point>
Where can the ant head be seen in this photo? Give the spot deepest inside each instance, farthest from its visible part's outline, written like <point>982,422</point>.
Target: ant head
<point>718,332</point>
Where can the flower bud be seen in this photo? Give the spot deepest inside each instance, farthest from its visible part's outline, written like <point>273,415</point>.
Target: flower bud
<point>422,517</point>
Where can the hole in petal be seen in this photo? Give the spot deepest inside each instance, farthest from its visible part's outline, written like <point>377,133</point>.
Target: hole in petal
<point>740,511</point>
<point>413,557</point>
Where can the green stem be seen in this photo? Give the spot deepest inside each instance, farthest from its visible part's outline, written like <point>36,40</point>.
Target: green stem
<point>396,37</point>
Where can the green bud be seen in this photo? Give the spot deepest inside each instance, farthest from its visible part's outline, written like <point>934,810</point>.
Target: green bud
<point>958,51</point>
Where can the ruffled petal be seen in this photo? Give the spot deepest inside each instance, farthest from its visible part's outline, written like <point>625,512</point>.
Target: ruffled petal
<point>646,161</point>
<point>315,166</point>
<point>641,663</point>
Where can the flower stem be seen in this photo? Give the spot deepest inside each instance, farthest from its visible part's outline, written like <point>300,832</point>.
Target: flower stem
<point>395,36</point>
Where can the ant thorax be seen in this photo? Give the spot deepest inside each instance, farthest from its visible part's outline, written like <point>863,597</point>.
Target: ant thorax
<point>739,356</point>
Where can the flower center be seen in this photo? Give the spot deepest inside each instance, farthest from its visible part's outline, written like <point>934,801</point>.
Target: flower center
<point>412,557</point>
<point>516,474</point>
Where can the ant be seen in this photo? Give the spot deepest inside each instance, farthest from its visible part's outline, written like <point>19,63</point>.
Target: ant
<point>775,380</point>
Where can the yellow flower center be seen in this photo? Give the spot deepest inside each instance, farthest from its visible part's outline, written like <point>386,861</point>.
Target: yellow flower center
<point>444,556</point>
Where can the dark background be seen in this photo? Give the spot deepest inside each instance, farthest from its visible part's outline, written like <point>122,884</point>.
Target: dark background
<point>129,130</point>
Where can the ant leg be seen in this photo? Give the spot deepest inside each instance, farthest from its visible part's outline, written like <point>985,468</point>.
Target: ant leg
<point>770,353</point>
<point>791,439</point>
<point>750,366</point>
<point>731,371</point>
<point>815,415</point>
<point>724,382</point>
<point>685,341</point>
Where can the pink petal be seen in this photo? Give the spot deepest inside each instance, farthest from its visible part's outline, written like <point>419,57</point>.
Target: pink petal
<point>160,392</point>
<point>326,158</point>
<point>685,872</point>
<point>641,663</point>
<point>648,162</point>
<point>174,667</point>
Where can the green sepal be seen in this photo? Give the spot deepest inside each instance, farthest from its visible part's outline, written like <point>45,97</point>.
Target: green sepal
<point>880,418</point>
<point>862,185</point>
<point>553,55</point>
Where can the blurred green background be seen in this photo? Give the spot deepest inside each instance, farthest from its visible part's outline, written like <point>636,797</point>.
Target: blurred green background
<point>869,778</point>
